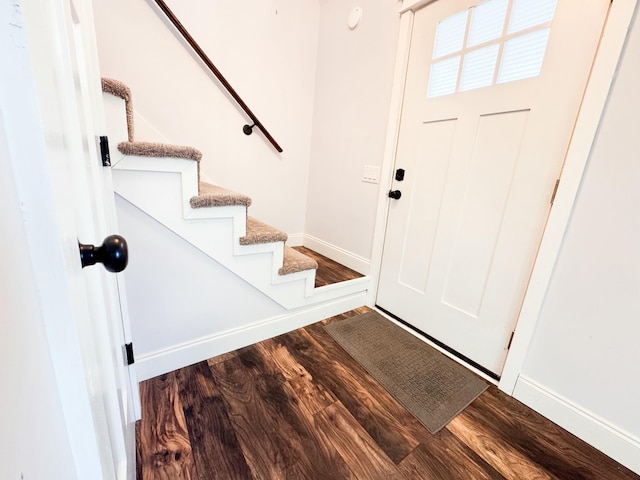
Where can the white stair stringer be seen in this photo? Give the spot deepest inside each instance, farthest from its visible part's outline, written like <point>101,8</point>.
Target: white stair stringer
<point>162,187</point>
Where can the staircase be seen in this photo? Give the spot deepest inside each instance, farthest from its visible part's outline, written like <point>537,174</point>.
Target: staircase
<point>163,181</point>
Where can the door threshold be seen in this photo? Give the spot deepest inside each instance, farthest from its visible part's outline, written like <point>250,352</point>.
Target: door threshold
<point>482,371</point>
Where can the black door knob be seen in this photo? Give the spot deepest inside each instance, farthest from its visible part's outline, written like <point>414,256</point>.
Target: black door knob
<point>113,254</point>
<point>395,194</point>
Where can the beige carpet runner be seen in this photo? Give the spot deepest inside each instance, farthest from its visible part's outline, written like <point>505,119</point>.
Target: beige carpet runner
<point>151,149</point>
<point>214,196</point>
<point>208,195</point>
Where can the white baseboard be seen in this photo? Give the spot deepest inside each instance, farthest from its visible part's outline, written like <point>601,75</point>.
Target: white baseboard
<point>157,363</point>
<point>343,257</point>
<point>295,239</point>
<point>617,444</point>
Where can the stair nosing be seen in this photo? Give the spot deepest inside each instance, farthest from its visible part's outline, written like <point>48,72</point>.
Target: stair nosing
<point>259,232</point>
<point>161,150</point>
<point>293,257</point>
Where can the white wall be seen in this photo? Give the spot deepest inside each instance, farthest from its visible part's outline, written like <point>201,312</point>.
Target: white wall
<point>586,348</point>
<point>353,90</point>
<point>265,49</point>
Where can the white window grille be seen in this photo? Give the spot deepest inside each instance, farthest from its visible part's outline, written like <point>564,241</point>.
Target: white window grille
<point>493,42</point>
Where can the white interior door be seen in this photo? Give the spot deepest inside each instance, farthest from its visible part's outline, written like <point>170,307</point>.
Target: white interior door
<point>492,93</point>
<point>108,297</point>
<point>64,66</point>
<point>99,179</point>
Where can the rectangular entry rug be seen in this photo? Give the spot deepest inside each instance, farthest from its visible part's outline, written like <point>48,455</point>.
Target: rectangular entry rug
<point>429,384</point>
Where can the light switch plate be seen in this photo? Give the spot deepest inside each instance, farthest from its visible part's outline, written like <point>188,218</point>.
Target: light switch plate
<point>371,174</point>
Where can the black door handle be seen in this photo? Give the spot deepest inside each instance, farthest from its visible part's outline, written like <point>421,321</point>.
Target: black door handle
<point>395,194</point>
<point>113,254</point>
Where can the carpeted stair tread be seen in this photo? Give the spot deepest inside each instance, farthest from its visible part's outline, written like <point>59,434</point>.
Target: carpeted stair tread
<point>119,89</point>
<point>214,196</point>
<point>152,149</point>
<point>295,261</point>
<point>258,232</point>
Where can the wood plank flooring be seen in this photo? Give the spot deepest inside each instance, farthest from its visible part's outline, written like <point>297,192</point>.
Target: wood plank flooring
<point>328,271</point>
<point>297,406</point>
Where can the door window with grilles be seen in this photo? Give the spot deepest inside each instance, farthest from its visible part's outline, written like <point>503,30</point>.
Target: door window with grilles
<point>493,42</point>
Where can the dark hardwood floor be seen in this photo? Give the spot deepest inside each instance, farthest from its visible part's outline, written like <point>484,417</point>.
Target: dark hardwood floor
<point>297,406</point>
<point>328,271</point>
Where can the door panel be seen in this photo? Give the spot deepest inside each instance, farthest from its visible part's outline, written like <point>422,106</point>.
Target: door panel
<point>109,304</point>
<point>424,208</point>
<point>64,73</point>
<point>498,140</point>
<point>481,156</point>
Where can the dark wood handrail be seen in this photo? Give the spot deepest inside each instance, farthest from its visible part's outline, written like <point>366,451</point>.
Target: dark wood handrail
<point>207,61</point>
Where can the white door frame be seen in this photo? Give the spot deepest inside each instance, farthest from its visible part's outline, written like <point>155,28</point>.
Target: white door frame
<point>594,101</point>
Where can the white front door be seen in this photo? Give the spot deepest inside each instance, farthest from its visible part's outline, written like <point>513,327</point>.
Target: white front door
<point>492,93</point>
<point>89,338</point>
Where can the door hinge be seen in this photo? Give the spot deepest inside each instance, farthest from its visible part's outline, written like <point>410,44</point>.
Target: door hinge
<point>128,350</point>
<point>555,190</point>
<point>104,151</point>
<point>511,339</point>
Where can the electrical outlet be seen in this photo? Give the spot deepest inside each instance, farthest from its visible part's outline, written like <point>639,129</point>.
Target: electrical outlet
<point>371,174</point>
